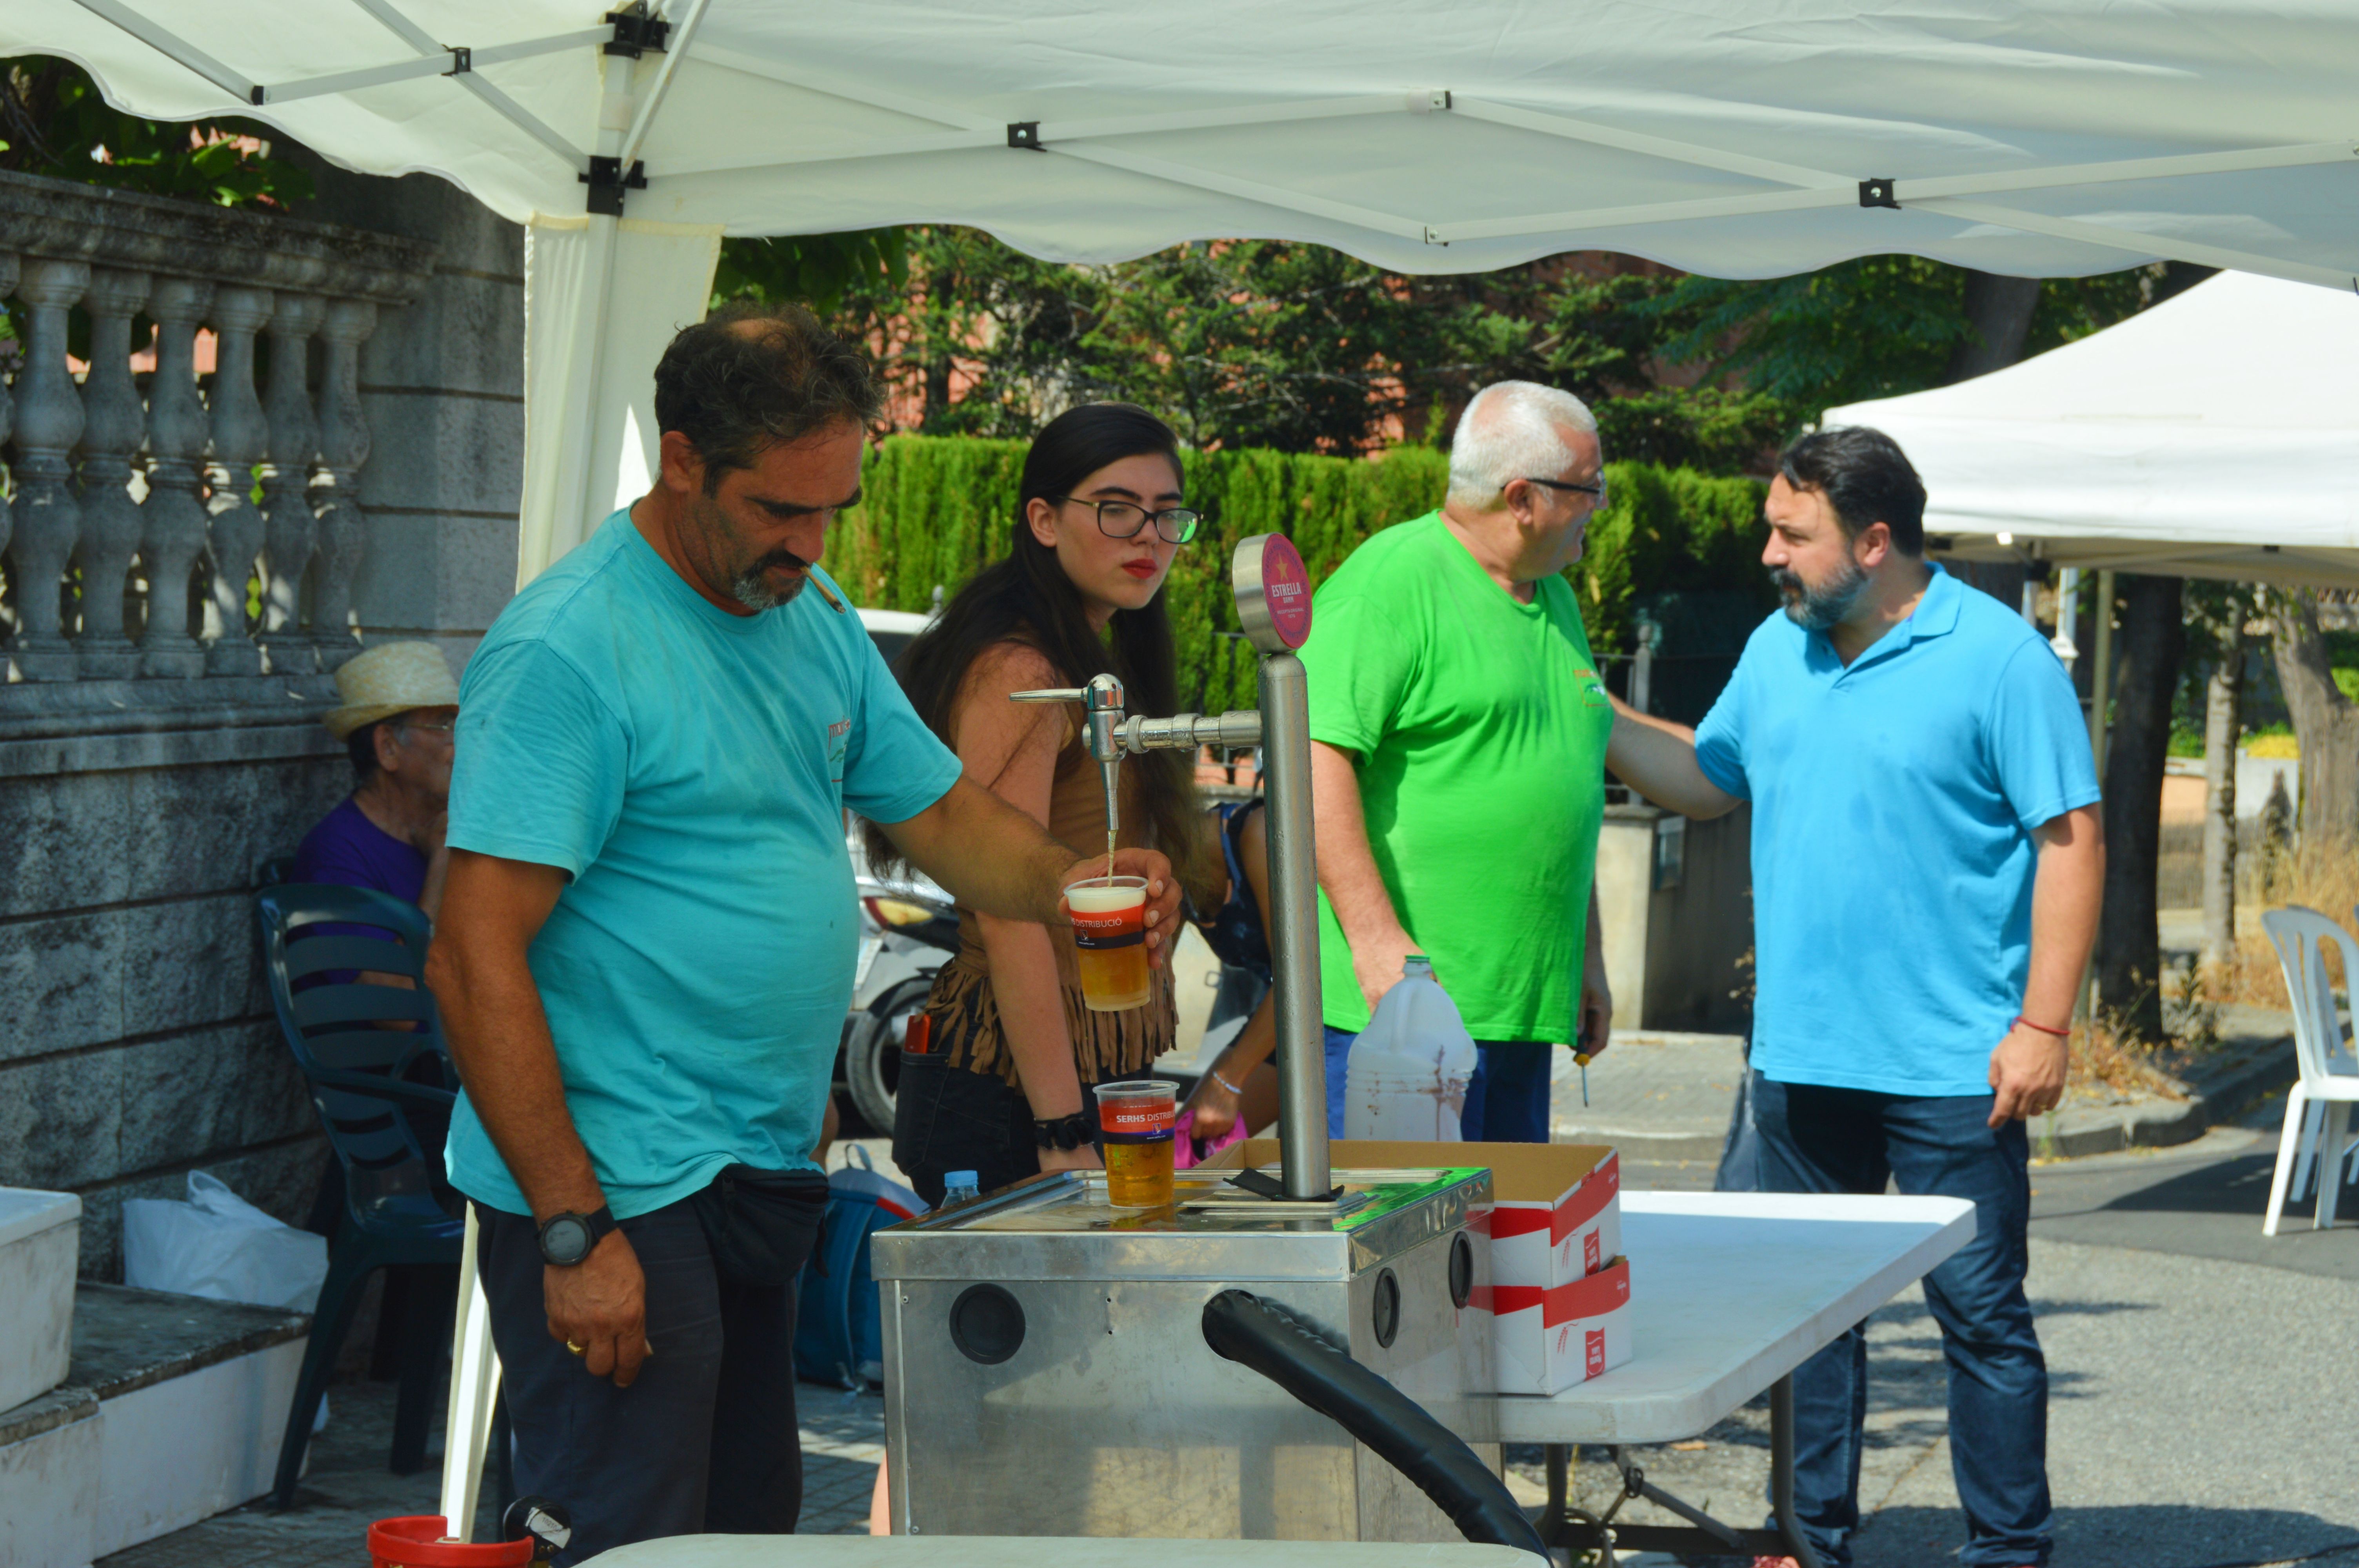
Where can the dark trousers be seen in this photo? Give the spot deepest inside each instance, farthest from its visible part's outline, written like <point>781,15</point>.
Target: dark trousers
<point>1506,1099</point>
<point>947,1118</point>
<point>703,1440</point>
<point>1818,1140</point>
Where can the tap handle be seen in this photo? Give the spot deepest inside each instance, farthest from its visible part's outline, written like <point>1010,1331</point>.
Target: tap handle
<point>1066,694</point>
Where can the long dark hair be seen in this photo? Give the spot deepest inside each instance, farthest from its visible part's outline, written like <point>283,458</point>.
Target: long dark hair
<point>1027,597</point>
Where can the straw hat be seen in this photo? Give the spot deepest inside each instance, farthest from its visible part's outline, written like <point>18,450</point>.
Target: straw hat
<point>390,678</point>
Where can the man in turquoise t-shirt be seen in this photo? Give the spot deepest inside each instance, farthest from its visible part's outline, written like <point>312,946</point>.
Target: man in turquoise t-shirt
<point>1458,734</point>
<point>647,944</point>
<point>1926,868</point>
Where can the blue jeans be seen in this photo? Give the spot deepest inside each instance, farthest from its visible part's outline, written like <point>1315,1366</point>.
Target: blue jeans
<point>1818,1140</point>
<point>1506,1101</point>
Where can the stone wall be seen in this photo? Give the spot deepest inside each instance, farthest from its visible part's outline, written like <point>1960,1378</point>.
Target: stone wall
<point>137,1039</point>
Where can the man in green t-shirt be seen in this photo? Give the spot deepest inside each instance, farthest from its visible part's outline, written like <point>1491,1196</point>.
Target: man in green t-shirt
<point>1458,734</point>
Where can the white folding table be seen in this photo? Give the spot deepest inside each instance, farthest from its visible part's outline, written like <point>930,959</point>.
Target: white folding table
<point>1729,1292</point>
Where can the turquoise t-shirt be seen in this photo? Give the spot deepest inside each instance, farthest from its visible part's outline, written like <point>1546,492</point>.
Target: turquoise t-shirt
<point>1894,804</point>
<point>689,769</point>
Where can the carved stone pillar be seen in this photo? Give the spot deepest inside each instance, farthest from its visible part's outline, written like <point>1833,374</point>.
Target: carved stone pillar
<point>114,423</point>
<point>49,423</point>
<point>290,534</point>
<point>173,519</point>
<point>344,447</point>
<point>7,408</point>
<point>234,536</point>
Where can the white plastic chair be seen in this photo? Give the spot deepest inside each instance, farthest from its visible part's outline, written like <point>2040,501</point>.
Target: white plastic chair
<point>2319,1136</point>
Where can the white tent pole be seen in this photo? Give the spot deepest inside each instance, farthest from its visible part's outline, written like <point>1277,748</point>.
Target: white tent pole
<point>507,108</point>
<point>1653,147</point>
<point>448,63</point>
<point>675,48</point>
<point>1052,131</point>
<point>172,46</point>
<point>2139,244</point>
<point>1250,190</point>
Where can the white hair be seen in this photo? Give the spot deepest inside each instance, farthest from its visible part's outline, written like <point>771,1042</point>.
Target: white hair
<point>1512,430</point>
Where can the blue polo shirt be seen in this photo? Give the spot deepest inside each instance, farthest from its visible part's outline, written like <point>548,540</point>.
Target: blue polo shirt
<point>688,769</point>
<point>1894,804</point>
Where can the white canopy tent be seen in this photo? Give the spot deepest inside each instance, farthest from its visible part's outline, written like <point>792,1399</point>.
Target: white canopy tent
<point>2215,435</point>
<point>2039,137</point>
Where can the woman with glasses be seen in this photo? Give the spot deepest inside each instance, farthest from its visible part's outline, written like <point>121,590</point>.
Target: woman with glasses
<point>1003,1089</point>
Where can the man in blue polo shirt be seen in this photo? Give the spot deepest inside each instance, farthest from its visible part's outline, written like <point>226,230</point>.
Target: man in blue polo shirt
<point>1926,868</point>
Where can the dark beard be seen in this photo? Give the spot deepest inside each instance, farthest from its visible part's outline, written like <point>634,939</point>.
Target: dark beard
<point>1823,608</point>
<point>751,587</point>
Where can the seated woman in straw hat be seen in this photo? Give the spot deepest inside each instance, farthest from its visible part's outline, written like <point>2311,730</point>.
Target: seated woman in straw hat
<point>399,703</point>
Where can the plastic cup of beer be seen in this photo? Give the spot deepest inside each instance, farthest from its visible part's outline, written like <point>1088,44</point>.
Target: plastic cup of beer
<point>1110,941</point>
<point>1137,1120</point>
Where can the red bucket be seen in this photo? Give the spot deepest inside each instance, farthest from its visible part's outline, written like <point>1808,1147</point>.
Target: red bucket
<point>416,1542</point>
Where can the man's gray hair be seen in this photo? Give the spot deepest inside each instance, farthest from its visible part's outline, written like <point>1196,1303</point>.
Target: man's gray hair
<point>1512,430</point>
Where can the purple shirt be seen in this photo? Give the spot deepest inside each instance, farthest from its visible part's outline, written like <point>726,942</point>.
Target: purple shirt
<point>347,847</point>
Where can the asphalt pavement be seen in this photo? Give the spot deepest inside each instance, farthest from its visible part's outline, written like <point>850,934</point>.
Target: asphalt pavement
<point>2201,1411</point>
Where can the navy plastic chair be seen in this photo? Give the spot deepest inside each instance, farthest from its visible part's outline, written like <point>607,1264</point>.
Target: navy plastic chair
<point>382,1120</point>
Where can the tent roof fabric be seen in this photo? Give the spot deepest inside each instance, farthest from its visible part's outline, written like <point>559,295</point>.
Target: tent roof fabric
<point>2217,435</point>
<point>1730,139</point>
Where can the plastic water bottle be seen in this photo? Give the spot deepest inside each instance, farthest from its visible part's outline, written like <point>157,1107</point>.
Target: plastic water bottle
<point>1407,1073</point>
<point>960,1187</point>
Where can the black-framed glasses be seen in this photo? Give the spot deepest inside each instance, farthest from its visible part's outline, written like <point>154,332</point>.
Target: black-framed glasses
<point>1595,491</point>
<point>1124,519</point>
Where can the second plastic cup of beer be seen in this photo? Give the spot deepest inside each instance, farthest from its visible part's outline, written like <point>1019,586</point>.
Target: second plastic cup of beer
<point>1110,940</point>
<point>1137,1120</point>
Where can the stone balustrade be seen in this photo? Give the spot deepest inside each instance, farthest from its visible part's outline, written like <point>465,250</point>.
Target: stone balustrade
<point>134,539</point>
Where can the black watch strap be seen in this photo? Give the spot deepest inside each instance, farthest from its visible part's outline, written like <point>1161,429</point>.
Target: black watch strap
<point>1062,1131</point>
<point>566,1238</point>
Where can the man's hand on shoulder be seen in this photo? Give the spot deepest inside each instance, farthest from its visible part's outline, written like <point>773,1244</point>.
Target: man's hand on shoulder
<point>2027,1073</point>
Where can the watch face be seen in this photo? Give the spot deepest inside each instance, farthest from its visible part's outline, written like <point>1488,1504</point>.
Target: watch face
<point>565,1240</point>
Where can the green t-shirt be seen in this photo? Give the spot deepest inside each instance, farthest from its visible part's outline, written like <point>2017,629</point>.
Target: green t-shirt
<point>1480,726</point>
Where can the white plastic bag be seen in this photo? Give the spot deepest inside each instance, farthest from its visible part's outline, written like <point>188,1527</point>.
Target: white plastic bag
<point>219,1245</point>
<point>1407,1073</point>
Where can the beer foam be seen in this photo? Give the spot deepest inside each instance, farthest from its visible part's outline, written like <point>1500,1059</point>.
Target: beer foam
<point>1104,901</point>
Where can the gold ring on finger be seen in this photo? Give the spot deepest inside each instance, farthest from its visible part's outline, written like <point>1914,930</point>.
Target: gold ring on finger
<point>577,1349</point>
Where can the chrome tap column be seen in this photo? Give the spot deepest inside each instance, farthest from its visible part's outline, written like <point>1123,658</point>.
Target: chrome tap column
<point>1273,594</point>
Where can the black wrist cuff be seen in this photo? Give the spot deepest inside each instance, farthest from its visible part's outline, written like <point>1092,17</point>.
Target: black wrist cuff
<point>1064,1131</point>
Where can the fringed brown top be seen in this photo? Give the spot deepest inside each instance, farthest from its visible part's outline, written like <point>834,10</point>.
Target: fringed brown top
<point>1106,1045</point>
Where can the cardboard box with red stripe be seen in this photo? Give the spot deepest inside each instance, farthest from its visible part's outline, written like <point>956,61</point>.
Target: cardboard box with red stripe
<point>1546,1340</point>
<point>1556,1284</point>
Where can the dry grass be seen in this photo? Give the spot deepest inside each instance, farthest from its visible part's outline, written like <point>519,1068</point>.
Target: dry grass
<point>2107,1063</point>
<point>2323,877</point>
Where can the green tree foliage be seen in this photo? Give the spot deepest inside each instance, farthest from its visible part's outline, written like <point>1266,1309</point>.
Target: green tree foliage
<point>815,271</point>
<point>937,509</point>
<point>54,122</point>
<point>1875,327</point>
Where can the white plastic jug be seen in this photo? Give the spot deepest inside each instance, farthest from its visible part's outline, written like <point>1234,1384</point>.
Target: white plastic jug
<point>1408,1072</point>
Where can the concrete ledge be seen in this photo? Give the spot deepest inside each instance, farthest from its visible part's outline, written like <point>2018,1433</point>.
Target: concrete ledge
<point>2262,1068</point>
<point>172,1412</point>
<point>74,727</point>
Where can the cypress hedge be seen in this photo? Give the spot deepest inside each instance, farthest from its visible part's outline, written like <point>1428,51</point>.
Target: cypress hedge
<point>938,509</point>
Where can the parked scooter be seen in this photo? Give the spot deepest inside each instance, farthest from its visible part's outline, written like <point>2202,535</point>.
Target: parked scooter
<point>909,929</point>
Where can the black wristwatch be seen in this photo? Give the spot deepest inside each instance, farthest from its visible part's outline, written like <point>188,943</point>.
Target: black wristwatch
<point>1064,1131</point>
<point>566,1238</point>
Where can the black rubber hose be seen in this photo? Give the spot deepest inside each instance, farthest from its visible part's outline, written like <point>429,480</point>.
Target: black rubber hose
<point>1244,1329</point>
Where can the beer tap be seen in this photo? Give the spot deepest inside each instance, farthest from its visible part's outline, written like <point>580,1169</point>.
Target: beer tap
<point>1273,599</point>
<point>1112,734</point>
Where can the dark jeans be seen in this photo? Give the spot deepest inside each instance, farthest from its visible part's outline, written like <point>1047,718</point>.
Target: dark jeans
<point>703,1440</point>
<point>1817,1139</point>
<point>1507,1100</point>
<point>947,1118</point>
